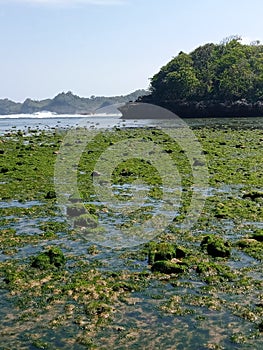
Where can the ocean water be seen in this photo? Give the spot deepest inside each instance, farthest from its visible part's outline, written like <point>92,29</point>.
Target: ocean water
<point>48,120</point>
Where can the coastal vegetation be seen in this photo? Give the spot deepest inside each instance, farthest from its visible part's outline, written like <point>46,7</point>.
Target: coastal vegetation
<point>211,77</point>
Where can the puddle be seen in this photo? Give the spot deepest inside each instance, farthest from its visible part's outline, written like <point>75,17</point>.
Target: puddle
<point>17,204</point>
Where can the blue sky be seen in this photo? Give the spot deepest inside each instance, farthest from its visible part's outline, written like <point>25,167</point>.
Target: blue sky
<point>108,47</point>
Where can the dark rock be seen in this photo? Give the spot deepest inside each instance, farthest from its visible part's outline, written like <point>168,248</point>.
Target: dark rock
<point>258,236</point>
<point>76,209</point>
<point>51,258</point>
<point>51,195</point>
<point>201,109</point>
<point>161,251</point>
<point>86,220</point>
<point>168,267</point>
<point>4,170</point>
<point>253,195</point>
<point>164,251</point>
<point>216,246</point>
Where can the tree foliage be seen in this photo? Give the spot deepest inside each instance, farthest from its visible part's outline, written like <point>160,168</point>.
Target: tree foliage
<point>228,71</point>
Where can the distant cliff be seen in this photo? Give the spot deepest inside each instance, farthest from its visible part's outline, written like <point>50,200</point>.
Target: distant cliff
<point>66,103</point>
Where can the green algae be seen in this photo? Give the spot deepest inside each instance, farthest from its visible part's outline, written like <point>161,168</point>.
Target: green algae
<point>53,257</point>
<point>81,295</point>
<point>216,246</point>
<point>86,220</point>
<point>168,267</point>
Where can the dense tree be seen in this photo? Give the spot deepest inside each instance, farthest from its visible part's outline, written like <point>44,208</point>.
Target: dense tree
<point>228,71</point>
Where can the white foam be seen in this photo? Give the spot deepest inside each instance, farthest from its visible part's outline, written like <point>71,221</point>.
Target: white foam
<point>46,115</point>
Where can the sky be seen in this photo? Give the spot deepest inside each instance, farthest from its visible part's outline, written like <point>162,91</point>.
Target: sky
<point>108,47</point>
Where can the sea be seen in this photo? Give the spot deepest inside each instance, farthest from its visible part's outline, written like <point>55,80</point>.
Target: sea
<point>49,120</point>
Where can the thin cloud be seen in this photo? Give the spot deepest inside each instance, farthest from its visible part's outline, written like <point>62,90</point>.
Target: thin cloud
<point>67,2</point>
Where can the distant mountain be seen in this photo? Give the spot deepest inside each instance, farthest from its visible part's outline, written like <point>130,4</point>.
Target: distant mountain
<point>66,103</point>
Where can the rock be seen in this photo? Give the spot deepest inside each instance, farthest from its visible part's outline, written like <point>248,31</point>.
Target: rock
<point>74,198</point>
<point>54,257</point>
<point>258,236</point>
<point>126,172</point>
<point>4,170</point>
<point>199,109</point>
<point>76,209</point>
<point>86,220</point>
<point>253,195</point>
<point>246,242</point>
<point>51,195</point>
<point>216,246</point>
<point>161,251</point>
<point>164,251</point>
<point>168,267</point>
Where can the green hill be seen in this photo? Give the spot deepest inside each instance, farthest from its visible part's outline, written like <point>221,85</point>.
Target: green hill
<point>213,75</point>
<point>228,71</point>
<point>66,103</point>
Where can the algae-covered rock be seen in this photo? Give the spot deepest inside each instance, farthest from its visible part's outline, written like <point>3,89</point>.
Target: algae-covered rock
<point>51,195</point>
<point>253,195</point>
<point>54,257</point>
<point>252,247</point>
<point>168,267</point>
<point>216,246</point>
<point>214,272</point>
<point>161,251</point>
<point>75,198</point>
<point>4,170</point>
<point>247,242</point>
<point>258,236</point>
<point>164,251</point>
<point>76,209</point>
<point>86,220</point>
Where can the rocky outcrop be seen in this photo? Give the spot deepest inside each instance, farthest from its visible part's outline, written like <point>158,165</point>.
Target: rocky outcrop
<point>208,109</point>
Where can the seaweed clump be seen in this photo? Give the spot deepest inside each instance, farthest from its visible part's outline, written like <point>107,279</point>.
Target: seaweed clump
<point>164,257</point>
<point>216,246</point>
<point>51,258</point>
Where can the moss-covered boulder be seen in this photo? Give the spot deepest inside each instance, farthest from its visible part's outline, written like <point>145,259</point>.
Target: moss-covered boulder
<point>161,251</point>
<point>164,251</point>
<point>53,257</point>
<point>51,195</point>
<point>258,236</point>
<point>252,247</point>
<point>86,220</point>
<point>213,272</point>
<point>253,195</point>
<point>216,246</point>
<point>76,209</point>
<point>168,267</point>
<point>247,243</point>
